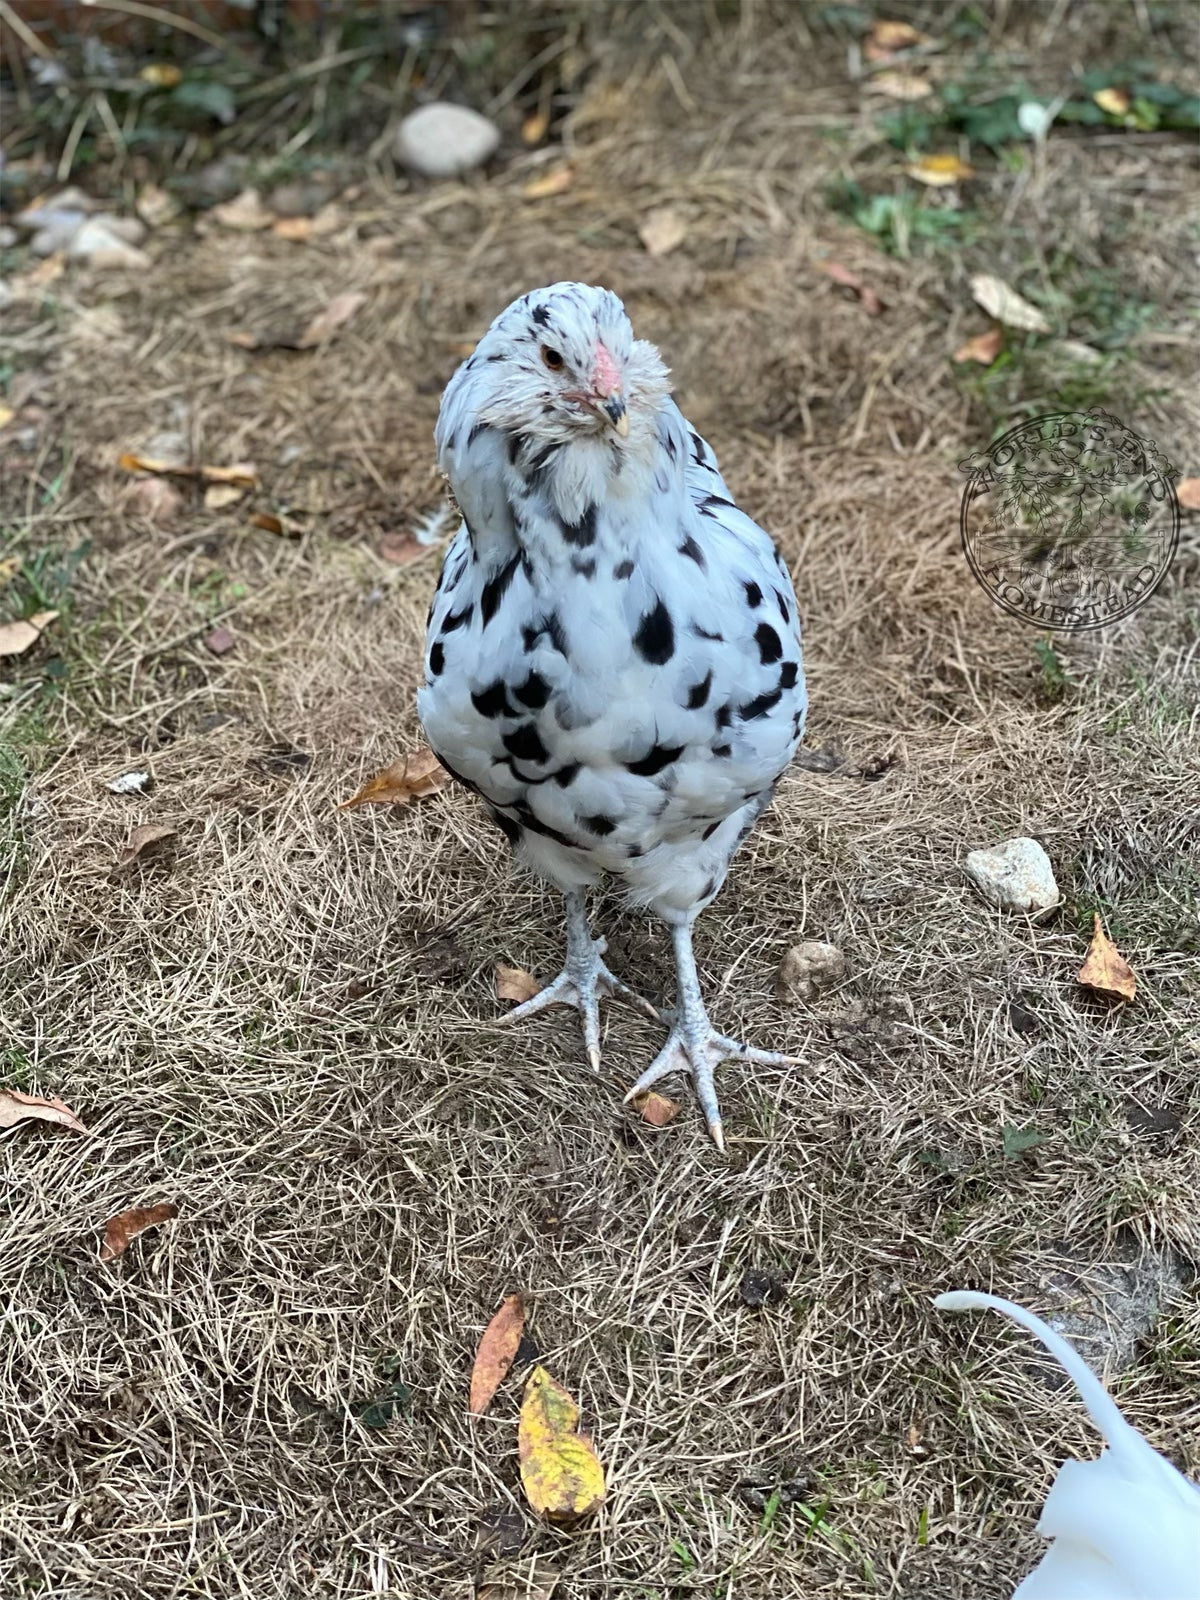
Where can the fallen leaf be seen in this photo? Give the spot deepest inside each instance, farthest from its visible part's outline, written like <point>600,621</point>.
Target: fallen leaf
<point>411,778</point>
<point>219,642</point>
<point>155,206</point>
<point>871,303</point>
<point>401,548</point>
<point>241,475</point>
<point>296,229</point>
<point>1187,492</point>
<point>1115,101</point>
<point>11,565</point>
<point>120,1231</point>
<point>535,127</point>
<point>161,74</point>
<point>339,310</point>
<point>378,1412</point>
<point>17,637</point>
<point>245,213</point>
<point>284,527</point>
<point>129,783</point>
<point>6,414</point>
<point>900,85</point>
<point>17,1107</point>
<point>654,1108</point>
<point>983,348</point>
<point>939,171</point>
<point>514,983</point>
<point>1106,970</point>
<point>892,36</point>
<point>660,231</point>
<point>560,1471</point>
<point>144,840</point>
<point>1006,305</point>
<point>219,495</point>
<point>557,181</point>
<point>496,1353</point>
<point>155,499</point>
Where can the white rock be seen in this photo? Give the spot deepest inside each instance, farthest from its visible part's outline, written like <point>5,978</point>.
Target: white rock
<point>808,967</point>
<point>1016,875</point>
<point>97,242</point>
<point>440,140</point>
<point>56,231</point>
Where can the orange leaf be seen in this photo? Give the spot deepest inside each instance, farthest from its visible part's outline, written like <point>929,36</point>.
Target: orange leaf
<point>411,778</point>
<point>939,171</point>
<point>496,1353</point>
<point>1187,492</point>
<point>560,1471</point>
<point>656,1109</point>
<point>241,475</point>
<point>141,841</point>
<point>983,348</point>
<point>17,1107</point>
<point>895,35</point>
<point>270,523</point>
<point>871,303</point>
<point>514,983</point>
<point>557,181</point>
<point>120,1231</point>
<point>1106,970</point>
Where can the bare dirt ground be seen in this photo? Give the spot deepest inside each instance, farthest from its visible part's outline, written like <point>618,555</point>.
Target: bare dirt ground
<point>284,1024</point>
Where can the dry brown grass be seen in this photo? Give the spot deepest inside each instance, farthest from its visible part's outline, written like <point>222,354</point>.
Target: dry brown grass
<point>283,1026</point>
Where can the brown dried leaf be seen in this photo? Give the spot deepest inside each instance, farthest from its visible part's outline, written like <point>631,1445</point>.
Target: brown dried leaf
<point>401,548</point>
<point>557,181</point>
<point>17,1107</point>
<point>219,495</point>
<point>983,348</point>
<point>17,637</point>
<point>656,1109</point>
<point>871,303</point>
<point>269,522</point>
<point>120,1231</point>
<point>661,231</point>
<point>515,984</point>
<point>219,642</point>
<point>1187,492</point>
<point>1106,970</point>
<point>898,85</point>
<point>143,841</point>
<point>891,36</point>
<point>560,1470</point>
<point>245,213</point>
<point>326,323</point>
<point>939,171</point>
<point>496,1353</point>
<point>242,474</point>
<point>411,778</point>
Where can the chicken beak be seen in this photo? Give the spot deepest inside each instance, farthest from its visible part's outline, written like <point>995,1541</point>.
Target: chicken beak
<point>613,407</point>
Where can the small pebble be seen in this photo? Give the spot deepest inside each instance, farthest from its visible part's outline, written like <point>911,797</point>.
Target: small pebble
<point>441,140</point>
<point>1016,875</point>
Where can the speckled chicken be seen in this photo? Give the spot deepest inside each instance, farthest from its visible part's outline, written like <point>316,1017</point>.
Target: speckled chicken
<point>613,655</point>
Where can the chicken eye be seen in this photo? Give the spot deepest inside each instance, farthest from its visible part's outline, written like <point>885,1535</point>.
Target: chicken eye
<point>552,358</point>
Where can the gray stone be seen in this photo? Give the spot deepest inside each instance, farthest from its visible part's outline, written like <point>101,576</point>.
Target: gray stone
<point>807,968</point>
<point>441,140</point>
<point>57,230</point>
<point>1016,875</point>
<point>98,242</point>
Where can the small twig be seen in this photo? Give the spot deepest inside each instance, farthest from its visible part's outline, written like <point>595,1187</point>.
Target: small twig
<point>67,159</point>
<point>24,32</point>
<point>133,8</point>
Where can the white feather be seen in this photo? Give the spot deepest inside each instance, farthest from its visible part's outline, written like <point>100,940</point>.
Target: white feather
<point>1125,1526</point>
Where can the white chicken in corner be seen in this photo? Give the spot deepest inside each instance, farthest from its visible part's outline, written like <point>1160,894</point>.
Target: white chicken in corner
<point>1125,1526</point>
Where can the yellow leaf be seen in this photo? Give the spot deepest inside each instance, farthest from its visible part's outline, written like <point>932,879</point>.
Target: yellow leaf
<point>983,348</point>
<point>411,778</point>
<point>556,181</point>
<point>1187,492</point>
<point>1115,101</point>
<point>9,568</point>
<point>560,1471</point>
<point>900,85</point>
<point>1106,970</point>
<point>938,172</point>
<point>891,36</point>
<point>17,637</point>
<point>6,414</point>
<point>161,74</point>
<point>535,126</point>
